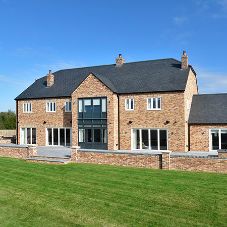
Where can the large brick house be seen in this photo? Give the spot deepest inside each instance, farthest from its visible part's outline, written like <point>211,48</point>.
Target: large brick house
<point>123,106</point>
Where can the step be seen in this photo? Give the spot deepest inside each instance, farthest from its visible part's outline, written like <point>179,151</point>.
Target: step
<point>48,160</point>
<point>52,157</point>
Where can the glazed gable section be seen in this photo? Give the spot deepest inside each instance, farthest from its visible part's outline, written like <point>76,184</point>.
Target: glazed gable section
<point>92,87</point>
<point>40,119</point>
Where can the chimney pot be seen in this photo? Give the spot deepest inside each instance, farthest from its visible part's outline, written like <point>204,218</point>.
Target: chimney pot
<point>50,72</point>
<point>184,52</point>
<point>119,55</point>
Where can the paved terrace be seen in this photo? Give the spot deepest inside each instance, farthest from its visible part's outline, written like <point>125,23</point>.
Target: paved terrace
<point>65,152</point>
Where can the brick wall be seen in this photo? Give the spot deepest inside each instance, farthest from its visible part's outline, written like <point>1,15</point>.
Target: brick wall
<point>2,141</point>
<point>60,118</point>
<point>142,161</point>
<point>93,87</point>
<point>199,136</point>
<point>18,152</point>
<point>164,161</point>
<point>172,110</point>
<point>199,164</point>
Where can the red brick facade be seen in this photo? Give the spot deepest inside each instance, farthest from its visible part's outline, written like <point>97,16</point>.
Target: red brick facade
<point>175,107</point>
<point>36,118</point>
<point>200,136</point>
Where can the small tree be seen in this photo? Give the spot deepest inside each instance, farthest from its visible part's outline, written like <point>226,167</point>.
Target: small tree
<point>8,120</point>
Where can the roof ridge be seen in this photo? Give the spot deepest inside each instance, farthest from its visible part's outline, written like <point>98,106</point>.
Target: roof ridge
<point>211,94</point>
<point>96,66</point>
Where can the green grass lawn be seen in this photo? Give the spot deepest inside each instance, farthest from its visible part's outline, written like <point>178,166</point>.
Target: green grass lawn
<point>33,194</point>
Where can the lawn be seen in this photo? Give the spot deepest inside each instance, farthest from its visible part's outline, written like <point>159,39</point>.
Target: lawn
<point>33,194</point>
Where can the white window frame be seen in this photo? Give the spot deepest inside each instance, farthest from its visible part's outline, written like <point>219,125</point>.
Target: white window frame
<point>130,107</point>
<point>67,109</point>
<point>58,128</point>
<point>156,101</point>
<point>210,137</point>
<point>25,134</point>
<point>27,107</point>
<point>48,106</point>
<point>158,136</point>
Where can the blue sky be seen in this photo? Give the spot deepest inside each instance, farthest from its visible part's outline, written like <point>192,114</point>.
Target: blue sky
<point>36,36</point>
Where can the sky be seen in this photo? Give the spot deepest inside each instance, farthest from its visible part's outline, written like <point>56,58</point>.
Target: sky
<point>41,35</point>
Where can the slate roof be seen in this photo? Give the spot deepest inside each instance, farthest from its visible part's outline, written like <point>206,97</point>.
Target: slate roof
<point>135,77</point>
<point>208,109</point>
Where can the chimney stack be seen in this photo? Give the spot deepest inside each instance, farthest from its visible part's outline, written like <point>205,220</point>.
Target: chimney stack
<point>50,79</point>
<point>120,61</point>
<point>184,60</point>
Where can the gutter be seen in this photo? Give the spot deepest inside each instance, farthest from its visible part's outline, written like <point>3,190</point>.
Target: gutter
<point>118,112</point>
<point>16,121</point>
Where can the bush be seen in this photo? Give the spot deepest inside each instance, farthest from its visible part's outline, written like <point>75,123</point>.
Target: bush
<point>8,120</point>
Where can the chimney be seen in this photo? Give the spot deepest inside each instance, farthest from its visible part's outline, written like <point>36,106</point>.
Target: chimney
<point>50,79</point>
<point>120,61</point>
<point>184,60</point>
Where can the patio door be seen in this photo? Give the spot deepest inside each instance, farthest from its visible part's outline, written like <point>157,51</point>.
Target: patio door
<point>28,136</point>
<point>93,138</point>
<point>58,137</point>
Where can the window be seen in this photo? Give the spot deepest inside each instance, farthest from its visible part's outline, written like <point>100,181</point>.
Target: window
<point>68,106</point>
<point>218,139</point>
<point>129,104</point>
<point>92,108</point>
<point>188,104</point>
<point>28,136</point>
<point>149,139</point>
<point>58,136</point>
<point>154,103</point>
<point>51,106</point>
<point>27,107</point>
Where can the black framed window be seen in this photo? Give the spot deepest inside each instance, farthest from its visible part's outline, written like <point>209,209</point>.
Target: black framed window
<point>92,108</point>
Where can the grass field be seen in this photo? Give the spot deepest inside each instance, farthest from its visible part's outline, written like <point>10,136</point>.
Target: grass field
<point>33,194</point>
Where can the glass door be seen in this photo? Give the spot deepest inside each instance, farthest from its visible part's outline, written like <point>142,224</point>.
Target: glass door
<point>93,137</point>
<point>58,137</point>
<point>28,136</point>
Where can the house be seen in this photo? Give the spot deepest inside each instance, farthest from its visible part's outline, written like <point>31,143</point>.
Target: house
<point>123,106</point>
